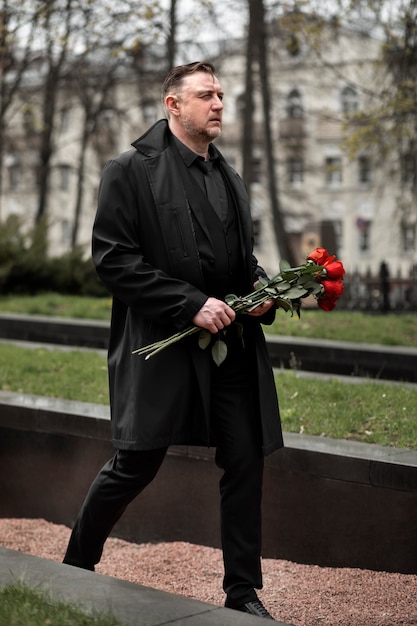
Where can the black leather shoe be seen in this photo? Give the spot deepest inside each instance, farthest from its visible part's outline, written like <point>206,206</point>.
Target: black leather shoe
<point>255,607</point>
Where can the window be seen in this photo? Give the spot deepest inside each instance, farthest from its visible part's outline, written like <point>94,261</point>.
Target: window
<point>15,176</point>
<point>349,100</point>
<point>295,168</point>
<point>64,172</point>
<point>106,118</point>
<point>256,173</point>
<point>149,111</point>
<point>338,231</point>
<point>408,237</point>
<point>408,168</point>
<point>14,170</point>
<point>365,236</point>
<point>66,232</point>
<point>240,106</point>
<point>29,121</point>
<point>333,171</point>
<point>294,104</point>
<point>36,175</point>
<point>364,170</point>
<point>65,120</point>
<point>256,228</point>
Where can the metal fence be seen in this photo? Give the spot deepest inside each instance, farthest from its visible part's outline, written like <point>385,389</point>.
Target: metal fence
<point>383,292</point>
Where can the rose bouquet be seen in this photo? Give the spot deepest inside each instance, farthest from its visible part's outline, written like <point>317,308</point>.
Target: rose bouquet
<point>321,276</point>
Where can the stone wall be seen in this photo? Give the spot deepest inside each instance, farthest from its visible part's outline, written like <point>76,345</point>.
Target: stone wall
<point>327,502</point>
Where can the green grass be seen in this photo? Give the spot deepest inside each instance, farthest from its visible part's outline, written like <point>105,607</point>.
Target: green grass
<point>59,305</point>
<point>71,375</point>
<point>370,412</point>
<point>22,606</point>
<point>392,329</point>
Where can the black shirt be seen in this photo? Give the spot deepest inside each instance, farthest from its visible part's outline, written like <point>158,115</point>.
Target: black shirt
<point>221,253</point>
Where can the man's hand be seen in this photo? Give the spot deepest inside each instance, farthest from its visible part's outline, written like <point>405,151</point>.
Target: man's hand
<point>214,315</point>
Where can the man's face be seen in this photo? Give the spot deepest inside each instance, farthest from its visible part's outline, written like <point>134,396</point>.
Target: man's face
<point>200,106</point>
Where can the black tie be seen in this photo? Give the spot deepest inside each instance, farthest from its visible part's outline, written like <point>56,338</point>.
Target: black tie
<point>211,181</point>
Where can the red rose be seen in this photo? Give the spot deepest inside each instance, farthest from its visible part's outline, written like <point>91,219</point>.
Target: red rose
<point>334,269</point>
<point>320,256</point>
<point>326,304</point>
<point>333,289</point>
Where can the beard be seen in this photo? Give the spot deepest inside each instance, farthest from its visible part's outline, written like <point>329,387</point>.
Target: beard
<point>202,134</point>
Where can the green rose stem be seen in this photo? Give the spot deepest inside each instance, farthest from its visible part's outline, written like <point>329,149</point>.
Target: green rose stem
<point>282,288</point>
<point>158,346</point>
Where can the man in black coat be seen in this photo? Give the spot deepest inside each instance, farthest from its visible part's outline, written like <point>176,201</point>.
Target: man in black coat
<point>172,237</point>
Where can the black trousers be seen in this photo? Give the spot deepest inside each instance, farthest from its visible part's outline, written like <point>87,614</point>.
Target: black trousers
<point>236,430</point>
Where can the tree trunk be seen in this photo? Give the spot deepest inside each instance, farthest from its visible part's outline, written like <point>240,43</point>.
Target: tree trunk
<point>257,15</point>
<point>247,110</point>
<point>80,182</point>
<point>49,105</point>
<point>52,84</point>
<point>172,35</point>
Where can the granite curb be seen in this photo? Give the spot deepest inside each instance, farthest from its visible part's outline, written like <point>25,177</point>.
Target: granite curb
<point>132,604</point>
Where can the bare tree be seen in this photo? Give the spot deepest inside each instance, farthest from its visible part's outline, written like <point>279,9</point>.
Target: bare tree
<point>58,24</point>
<point>172,41</point>
<point>257,49</point>
<point>248,105</point>
<point>16,55</point>
<point>95,96</point>
<point>93,75</point>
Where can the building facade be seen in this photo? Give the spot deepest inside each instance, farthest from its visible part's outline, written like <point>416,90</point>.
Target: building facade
<point>350,206</point>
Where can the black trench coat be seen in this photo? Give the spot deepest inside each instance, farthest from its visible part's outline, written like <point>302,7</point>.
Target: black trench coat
<point>145,252</point>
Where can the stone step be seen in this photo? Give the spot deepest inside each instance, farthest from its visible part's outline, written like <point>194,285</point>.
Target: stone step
<point>132,604</point>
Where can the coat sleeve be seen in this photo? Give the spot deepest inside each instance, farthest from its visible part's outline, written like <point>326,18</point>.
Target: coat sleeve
<point>117,248</point>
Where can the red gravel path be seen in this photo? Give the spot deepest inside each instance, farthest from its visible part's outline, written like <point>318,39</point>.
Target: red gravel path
<point>303,595</point>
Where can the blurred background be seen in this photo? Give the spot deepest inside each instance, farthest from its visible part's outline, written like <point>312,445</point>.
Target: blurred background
<point>320,120</point>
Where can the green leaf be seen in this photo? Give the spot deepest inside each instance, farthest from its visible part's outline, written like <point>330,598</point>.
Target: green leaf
<point>316,289</point>
<point>231,298</point>
<point>204,339</point>
<point>282,303</point>
<point>307,281</point>
<point>312,286</point>
<point>295,292</point>
<point>284,286</point>
<point>284,266</point>
<point>219,352</point>
<point>289,274</point>
<point>261,282</point>
<point>275,280</point>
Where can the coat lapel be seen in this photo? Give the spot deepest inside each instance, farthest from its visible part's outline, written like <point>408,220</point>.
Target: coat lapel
<point>197,200</point>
